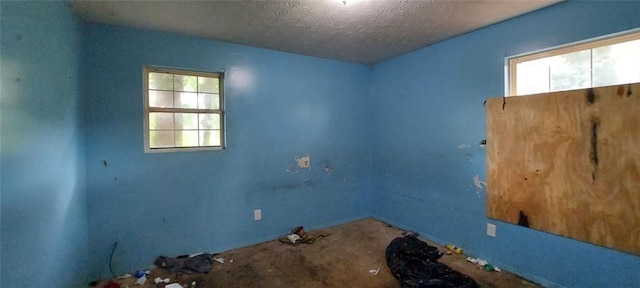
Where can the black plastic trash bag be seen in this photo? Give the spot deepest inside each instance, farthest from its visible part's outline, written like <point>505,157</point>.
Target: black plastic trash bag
<point>198,264</point>
<point>415,264</point>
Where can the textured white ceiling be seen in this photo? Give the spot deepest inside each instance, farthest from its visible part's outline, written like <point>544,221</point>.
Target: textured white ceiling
<point>362,31</point>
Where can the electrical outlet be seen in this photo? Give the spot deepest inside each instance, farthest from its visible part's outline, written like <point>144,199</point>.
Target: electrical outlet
<point>257,214</point>
<point>491,230</point>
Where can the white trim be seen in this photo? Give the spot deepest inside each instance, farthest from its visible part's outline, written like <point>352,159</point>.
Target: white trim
<point>147,109</point>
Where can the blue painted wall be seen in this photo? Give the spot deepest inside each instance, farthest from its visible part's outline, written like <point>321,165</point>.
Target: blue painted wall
<point>279,106</point>
<point>402,139</point>
<point>44,218</point>
<point>430,120</point>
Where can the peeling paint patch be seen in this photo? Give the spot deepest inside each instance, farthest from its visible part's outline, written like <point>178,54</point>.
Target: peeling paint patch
<point>463,146</point>
<point>479,183</point>
<point>304,162</point>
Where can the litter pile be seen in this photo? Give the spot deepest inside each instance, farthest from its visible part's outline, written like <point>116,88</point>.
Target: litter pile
<point>185,264</point>
<point>298,235</point>
<point>415,264</point>
<point>483,264</point>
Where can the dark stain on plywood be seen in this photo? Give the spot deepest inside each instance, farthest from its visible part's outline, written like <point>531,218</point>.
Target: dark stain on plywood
<point>594,146</point>
<point>591,96</point>
<point>523,220</point>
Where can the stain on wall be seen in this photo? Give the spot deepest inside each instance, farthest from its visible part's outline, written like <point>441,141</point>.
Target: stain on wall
<point>304,162</point>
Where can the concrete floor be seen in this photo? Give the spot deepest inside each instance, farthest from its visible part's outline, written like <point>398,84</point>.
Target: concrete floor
<point>343,259</point>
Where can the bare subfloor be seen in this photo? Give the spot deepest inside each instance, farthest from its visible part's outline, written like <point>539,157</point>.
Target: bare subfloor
<point>343,259</point>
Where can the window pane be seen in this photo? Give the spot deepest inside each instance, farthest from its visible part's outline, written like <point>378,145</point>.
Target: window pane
<point>210,138</point>
<point>209,121</point>
<point>160,81</point>
<point>185,83</point>
<point>187,121</point>
<point>186,100</point>
<point>162,99</point>
<point>532,77</point>
<point>616,64</point>
<point>160,121</point>
<point>160,139</point>
<point>571,71</point>
<point>183,110</point>
<point>208,101</point>
<point>207,84</point>
<point>185,138</point>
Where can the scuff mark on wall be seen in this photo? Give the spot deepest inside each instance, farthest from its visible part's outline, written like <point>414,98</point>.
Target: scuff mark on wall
<point>479,183</point>
<point>327,166</point>
<point>468,157</point>
<point>307,182</point>
<point>463,146</point>
<point>304,162</point>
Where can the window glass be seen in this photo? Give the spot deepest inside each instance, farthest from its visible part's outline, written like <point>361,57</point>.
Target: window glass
<point>183,110</point>
<point>613,64</point>
<point>599,63</point>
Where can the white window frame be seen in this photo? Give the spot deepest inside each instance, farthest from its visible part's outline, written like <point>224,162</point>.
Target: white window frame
<point>565,49</point>
<point>154,69</point>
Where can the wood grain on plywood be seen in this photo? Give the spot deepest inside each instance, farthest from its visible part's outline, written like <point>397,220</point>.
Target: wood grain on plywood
<point>568,163</point>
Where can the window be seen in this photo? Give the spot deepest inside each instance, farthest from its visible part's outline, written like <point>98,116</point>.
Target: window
<point>183,110</point>
<point>597,63</point>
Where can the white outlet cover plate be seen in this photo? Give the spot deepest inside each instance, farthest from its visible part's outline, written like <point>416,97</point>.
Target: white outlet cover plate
<point>491,230</point>
<point>257,214</point>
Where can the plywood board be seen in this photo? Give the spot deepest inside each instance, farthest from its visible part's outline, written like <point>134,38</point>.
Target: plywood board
<point>568,163</point>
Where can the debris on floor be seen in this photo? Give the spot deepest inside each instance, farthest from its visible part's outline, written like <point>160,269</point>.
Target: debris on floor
<point>140,273</point>
<point>293,238</point>
<point>454,249</point>
<point>159,280</point>
<point>142,276</point>
<point>141,280</point>
<point>219,260</point>
<point>415,264</point>
<point>201,263</point>
<point>374,271</point>
<point>483,264</point>
<point>356,247</point>
<point>298,235</point>
<point>410,233</point>
<point>112,284</point>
